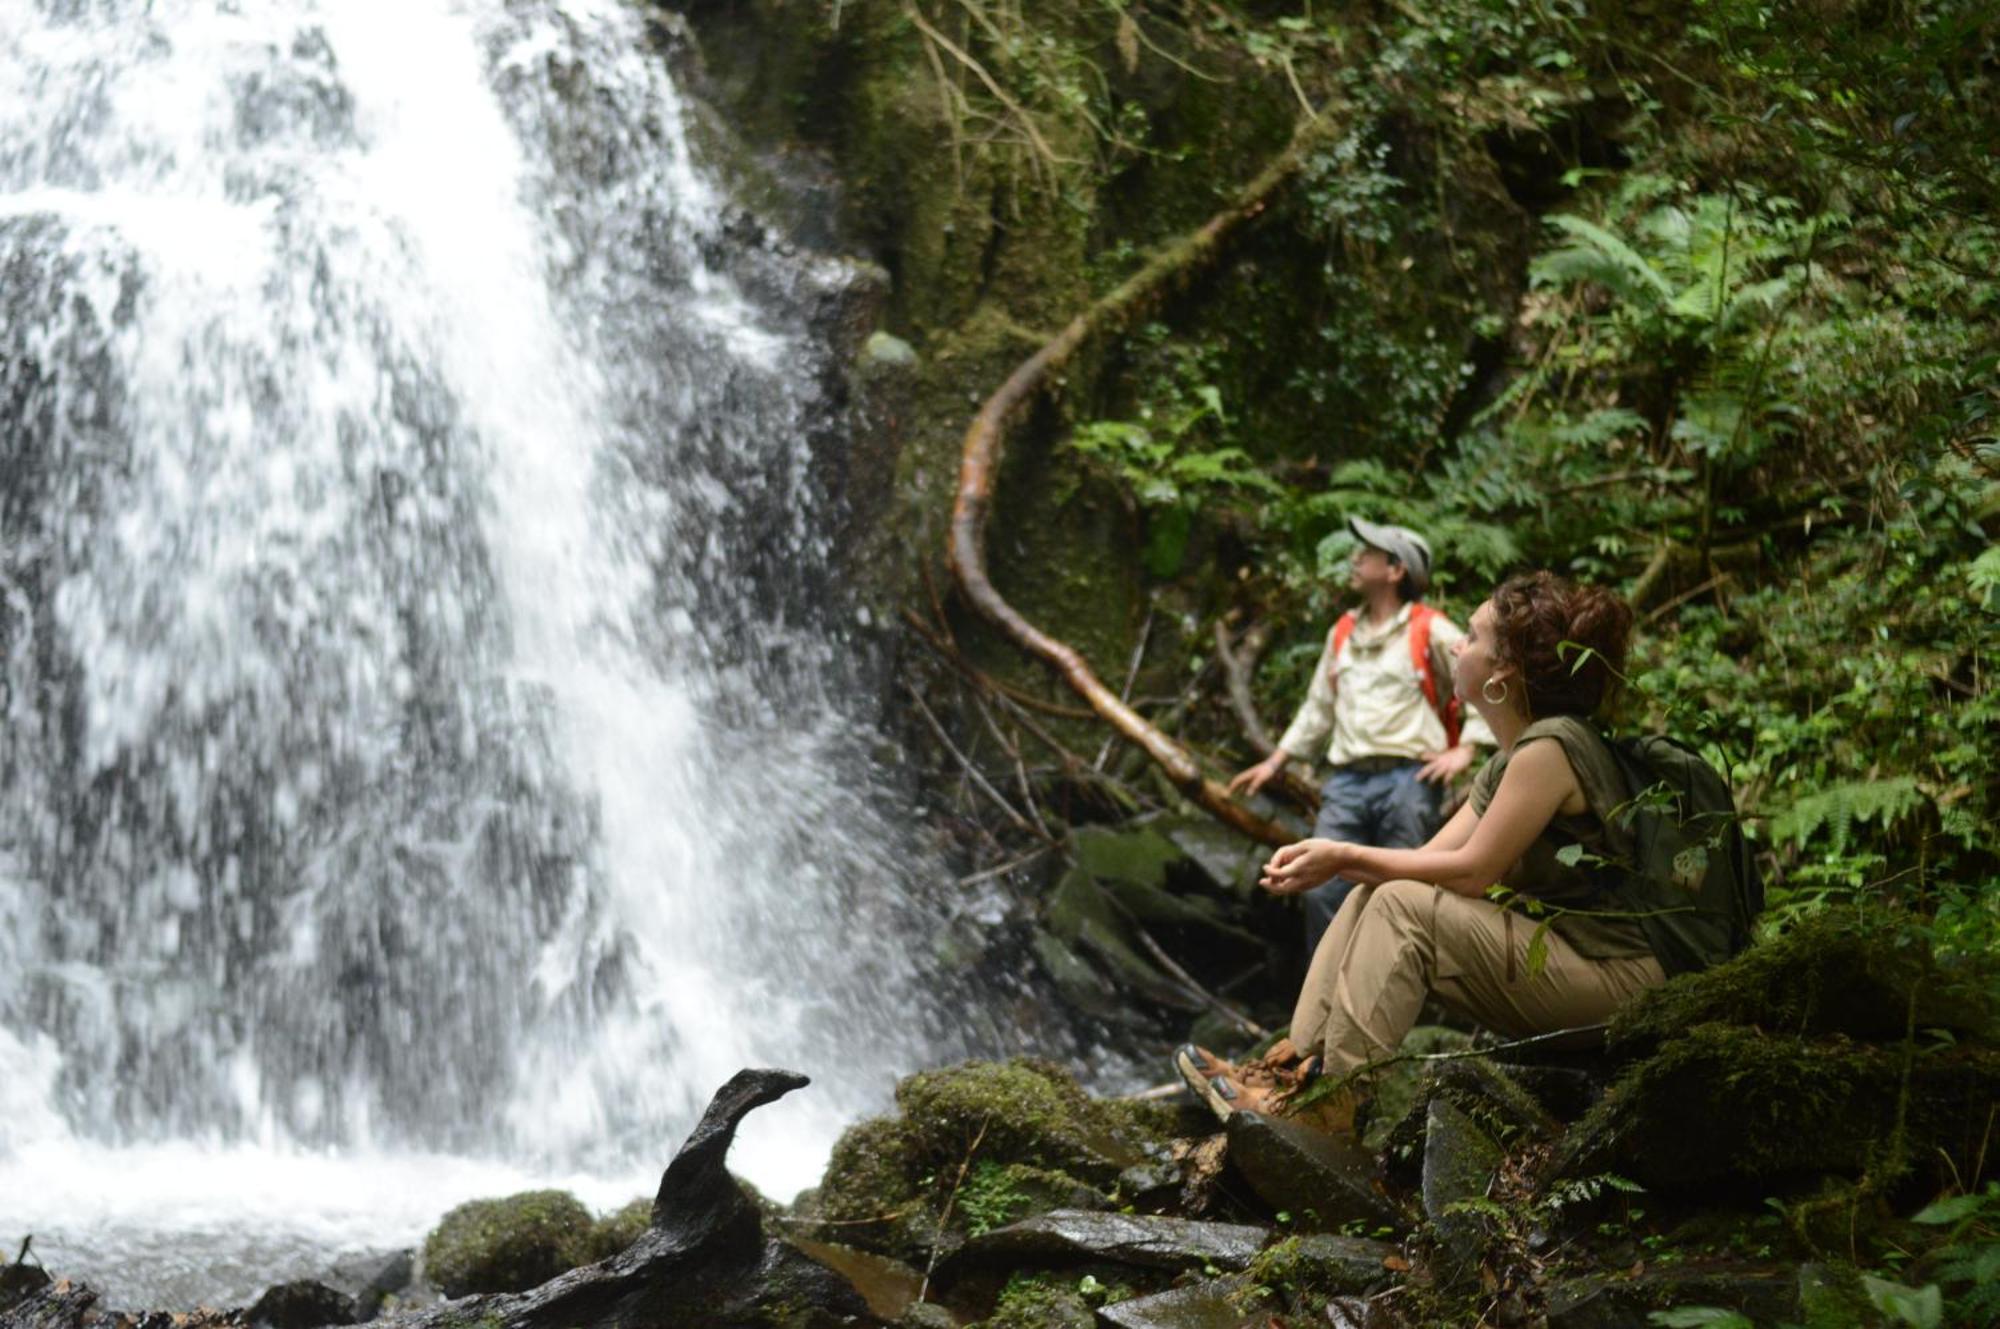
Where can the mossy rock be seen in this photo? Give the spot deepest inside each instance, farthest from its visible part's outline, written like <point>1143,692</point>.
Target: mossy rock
<point>508,1245</point>
<point>1729,1106</point>
<point>620,1228</point>
<point>876,1193</point>
<point>1021,1111</point>
<point>1832,975</point>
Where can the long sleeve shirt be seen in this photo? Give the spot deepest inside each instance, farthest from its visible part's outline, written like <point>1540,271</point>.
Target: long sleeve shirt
<point>1368,701</point>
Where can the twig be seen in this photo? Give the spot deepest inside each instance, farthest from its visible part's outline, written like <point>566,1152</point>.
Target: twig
<point>1684,597</point>
<point>1195,989</point>
<point>987,874</point>
<point>1013,750</point>
<point>1236,670</point>
<point>948,651</point>
<point>971,771</point>
<point>944,1215</point>
<point>1131,677</point>
<point>1331,1084</point>
<point>1049,158</point>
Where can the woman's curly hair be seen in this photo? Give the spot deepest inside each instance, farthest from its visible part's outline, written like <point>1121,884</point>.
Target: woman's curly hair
<point>1567,641</point>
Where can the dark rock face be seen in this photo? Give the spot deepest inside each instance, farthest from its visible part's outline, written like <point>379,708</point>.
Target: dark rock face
<point>1460,1161</point>
<point>60,1305</point>
<point>1322,1180</point>
<point>303,1304</point>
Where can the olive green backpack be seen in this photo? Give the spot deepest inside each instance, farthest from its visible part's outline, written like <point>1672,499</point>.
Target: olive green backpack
<point>1692,873</point>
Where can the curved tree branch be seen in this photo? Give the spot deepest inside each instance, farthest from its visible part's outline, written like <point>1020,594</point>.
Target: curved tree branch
<point>985,442</point>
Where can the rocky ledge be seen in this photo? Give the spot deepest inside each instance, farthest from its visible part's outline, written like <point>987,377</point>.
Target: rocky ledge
<point>1740,1130</point>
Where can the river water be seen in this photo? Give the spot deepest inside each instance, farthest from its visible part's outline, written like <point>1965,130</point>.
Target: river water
<point>430,766</point>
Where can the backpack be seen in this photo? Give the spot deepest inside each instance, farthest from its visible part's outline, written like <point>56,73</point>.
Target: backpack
<point>1452,711</point>
<point>1694,880</point>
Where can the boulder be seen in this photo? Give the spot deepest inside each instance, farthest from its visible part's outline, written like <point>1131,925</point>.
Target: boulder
<point>373,1278</point>
<point>1321,1180</point>
<point>1320,1265</point>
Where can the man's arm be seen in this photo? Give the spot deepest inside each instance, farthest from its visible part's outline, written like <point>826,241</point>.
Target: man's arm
<point>1305,738</point>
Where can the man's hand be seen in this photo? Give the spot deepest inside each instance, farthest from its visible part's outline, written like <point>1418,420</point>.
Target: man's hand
<point>1253,780</point>
<point>1302,866</point>
<point>1444,767</point>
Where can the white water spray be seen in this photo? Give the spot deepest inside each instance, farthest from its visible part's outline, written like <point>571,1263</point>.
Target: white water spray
<point>421,741</point>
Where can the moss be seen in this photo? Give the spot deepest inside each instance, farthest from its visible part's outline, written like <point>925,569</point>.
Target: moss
<point>875,1194</point>
<point>620,1228</point>
<point>1034,1302</point>
<point>1306,1271</point>
<point>1022,1111</point>
<point>1833,975</point>
<point>1730,1106</point>
<point>508,1245</point>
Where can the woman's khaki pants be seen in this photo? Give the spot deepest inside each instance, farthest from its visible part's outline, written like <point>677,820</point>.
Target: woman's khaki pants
<point>1392,945</point>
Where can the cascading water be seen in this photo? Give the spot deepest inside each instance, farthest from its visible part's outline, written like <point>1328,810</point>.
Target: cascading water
<point>424,741</point>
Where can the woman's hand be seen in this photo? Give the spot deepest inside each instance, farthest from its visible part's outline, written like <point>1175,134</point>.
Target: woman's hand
<point>1302,866</point>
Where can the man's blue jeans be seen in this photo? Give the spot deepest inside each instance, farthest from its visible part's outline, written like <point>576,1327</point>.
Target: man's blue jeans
<point>1382,805</point>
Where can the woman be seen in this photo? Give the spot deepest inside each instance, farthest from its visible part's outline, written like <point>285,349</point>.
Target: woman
<point>1536,662</point>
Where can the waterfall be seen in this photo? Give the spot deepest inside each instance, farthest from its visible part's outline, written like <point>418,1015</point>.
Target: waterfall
<point>428,724</point>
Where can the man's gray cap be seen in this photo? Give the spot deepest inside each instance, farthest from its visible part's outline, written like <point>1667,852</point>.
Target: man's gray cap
<point>1400,543</point>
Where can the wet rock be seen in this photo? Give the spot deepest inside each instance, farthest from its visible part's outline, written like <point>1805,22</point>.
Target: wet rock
<point>1320,1265</point>
<point>374,1278</point>
<point>1144,1241</point>
<point>1322,1180</point>
<point>927,1315</point>
<point>1149,1184</point>
<point>1217,1303</point>
<point>890,1287</point>
<point>507,1245</point>
<point>1764,1294</point>
<point>885,354</point>
<point>20,1279</point>
<point>703,1260</point>
<point>303,1304</point>
<point>1357,1313</point>
<point>57,1305</point>
<point>1226,860</point>
<point>1460,1161</point>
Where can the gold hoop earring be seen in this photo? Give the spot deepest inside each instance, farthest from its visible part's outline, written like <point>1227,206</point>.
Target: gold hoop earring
<point>1486,691</point>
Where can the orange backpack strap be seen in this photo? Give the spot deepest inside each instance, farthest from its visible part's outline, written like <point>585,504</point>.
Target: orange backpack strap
<point>1421,615</point>
<point>1343,628</point>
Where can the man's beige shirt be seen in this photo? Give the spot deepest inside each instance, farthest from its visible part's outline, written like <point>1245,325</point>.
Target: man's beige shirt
<point>1370,702</point>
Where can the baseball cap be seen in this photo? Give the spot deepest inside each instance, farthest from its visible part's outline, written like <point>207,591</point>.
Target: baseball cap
<point>1400,543</point>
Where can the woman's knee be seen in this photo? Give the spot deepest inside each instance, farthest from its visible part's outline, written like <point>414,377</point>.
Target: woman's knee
<point>1412,900</point>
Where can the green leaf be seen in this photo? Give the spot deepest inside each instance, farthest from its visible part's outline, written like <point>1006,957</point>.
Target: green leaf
<point>1538,951</point>
<point>1692,1317</point>
<point>1952,1210</point>
<point>1917,1307</point>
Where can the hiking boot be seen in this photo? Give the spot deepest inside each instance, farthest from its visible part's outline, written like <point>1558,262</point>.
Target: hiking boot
<point>1269,1085</point>
<point>1254,1085</point>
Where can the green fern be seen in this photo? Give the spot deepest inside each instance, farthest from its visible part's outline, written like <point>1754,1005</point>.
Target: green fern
<point>1837,808</point>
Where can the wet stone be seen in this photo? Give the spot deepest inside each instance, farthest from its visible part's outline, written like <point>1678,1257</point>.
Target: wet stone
<point>1215,1304</point>
<point>1460,1161</point>
<point>1322,1180</point>
<point>1133,1239</point>
<point>303,1304</point>
<point>1349,1263</point>
<point>889,1287</point>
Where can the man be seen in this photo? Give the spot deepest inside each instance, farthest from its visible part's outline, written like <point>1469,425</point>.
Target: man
<point>1381,708</point>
